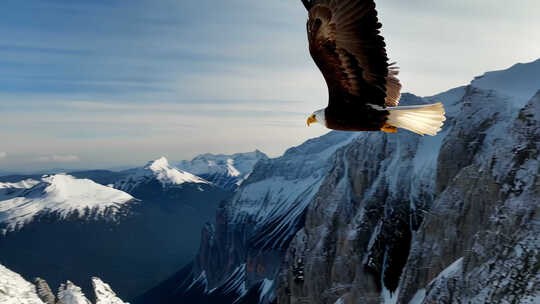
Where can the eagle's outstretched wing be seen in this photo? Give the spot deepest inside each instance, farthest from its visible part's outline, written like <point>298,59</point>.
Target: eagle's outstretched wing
<point>345,43</point>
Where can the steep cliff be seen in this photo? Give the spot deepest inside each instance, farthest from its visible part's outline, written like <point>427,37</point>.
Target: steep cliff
<point>388,218</point>
<point>488,220</point>
<point>475,186</point>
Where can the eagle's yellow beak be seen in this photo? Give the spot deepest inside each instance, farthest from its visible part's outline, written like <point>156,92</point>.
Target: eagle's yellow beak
<point>311,120</point>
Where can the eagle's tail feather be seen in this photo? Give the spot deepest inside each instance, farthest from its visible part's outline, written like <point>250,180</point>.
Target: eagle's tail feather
<point>421,119</point>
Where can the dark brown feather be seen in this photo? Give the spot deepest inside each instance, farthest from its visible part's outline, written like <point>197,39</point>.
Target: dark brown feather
<point>345,43</point>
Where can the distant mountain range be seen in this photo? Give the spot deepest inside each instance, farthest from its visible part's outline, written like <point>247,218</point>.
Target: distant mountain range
<point>141,224</point>
<point>227,171</point>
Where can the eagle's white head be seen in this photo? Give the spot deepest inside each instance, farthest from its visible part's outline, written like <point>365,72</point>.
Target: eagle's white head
<point>317,117</point>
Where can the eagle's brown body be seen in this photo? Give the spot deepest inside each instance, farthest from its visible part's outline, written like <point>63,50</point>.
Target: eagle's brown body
<point>354,116</point>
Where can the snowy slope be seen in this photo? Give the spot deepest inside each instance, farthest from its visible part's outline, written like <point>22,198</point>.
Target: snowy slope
<point>279,190</point>
<point>70,293</point>
<point>519,81</point>
<point>6,188</point>
<point>104,293</point>
<point>159,170</point>
<point>16,290</point>
<point>226,171</point>
<point>60,194</point>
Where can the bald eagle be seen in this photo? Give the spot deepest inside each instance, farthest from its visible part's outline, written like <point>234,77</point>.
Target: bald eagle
<point>363,88</point>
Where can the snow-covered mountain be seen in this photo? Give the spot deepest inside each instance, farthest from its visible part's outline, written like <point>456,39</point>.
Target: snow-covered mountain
<point>59,194</point>
<point>14,289</point>
<point>517,82</point>
<point>157,170</point>
<point>81,228</point>
<point>227,171</point>
<point>385,218</point>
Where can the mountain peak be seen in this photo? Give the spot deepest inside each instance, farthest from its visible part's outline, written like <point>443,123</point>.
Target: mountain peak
<point>167,174</point>
<point>158,164</point>
<point>15,289</point>
<point>519,81</point>
<point>226,171</point>
<point>59,193</point>
<point>70,293</point>
<point>104,293</point>
<point>159,170</point>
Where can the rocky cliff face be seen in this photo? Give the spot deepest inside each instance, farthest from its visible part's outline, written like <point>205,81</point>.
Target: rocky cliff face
<point>448,219</point>
<point>389,218</point>
<point>358,229</point>
<point>487,219</point>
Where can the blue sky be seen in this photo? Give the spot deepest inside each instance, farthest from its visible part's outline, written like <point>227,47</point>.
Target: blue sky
<point>90,84</point>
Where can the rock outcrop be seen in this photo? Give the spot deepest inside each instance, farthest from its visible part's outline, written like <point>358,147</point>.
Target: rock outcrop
<point>44,292</point>
<point>15,289</point>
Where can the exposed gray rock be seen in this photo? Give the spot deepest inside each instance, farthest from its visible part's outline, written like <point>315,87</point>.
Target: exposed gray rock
<point>488,216</point>
<point>256,226</point>
<point>44,292</point>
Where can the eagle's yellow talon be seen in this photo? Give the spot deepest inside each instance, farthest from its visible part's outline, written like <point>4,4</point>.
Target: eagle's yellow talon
<point>389,129</point>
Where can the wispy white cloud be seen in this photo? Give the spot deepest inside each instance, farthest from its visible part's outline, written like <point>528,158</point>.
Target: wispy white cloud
<point>59,158</point>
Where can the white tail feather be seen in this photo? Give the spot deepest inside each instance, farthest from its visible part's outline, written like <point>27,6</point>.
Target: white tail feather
<point>421,119</point>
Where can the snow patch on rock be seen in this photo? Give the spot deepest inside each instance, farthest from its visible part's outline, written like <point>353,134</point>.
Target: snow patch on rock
<point>16,290</point>
<point>521,81</point>
<point>104,293</point>
<point>70,293</point>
